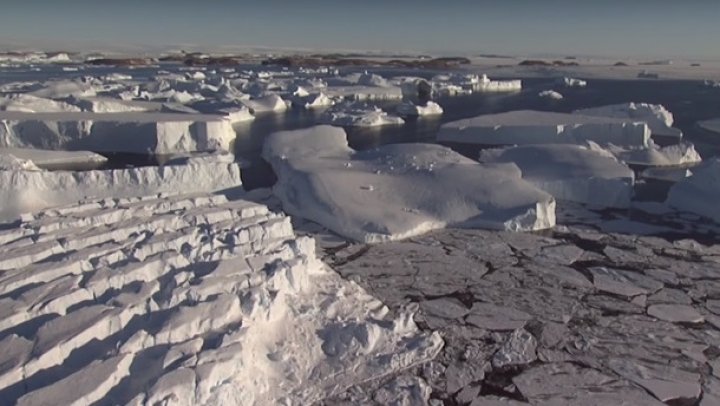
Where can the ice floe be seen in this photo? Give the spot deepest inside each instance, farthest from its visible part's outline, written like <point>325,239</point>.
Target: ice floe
<point>571,82</point>
<point>398,191</point>
<point>551,94</point>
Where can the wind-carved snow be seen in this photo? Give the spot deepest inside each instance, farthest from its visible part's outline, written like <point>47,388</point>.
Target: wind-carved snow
<point>535,127</point>
<point>192,300</point>
<point>398,191</point>
<point>657,117</point>
<point>570,172</point>
<point>700,192</point>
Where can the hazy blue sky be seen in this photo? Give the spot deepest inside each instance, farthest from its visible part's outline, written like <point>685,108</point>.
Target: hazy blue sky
<point>582,27</point>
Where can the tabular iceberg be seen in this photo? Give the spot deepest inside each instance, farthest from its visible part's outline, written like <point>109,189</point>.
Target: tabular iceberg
<point>657,117</point>
<point>398,191</point>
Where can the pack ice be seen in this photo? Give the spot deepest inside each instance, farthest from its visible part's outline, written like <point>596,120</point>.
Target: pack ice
<point>184,300</point>
<point>537,127</point>
<point>570,172</point>
<point>657,117</point>
<point>398,191</point>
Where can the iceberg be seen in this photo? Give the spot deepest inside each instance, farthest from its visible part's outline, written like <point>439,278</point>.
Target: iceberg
<point>571,82</point>
<point>700,192</point>
<point>270,103</point>
<point>26,191</point>
<point>221,297</point>
<point>48,159</point>
<point>657,117</point>
<point>358,115</point>
<point>536,127</point>
<point>398,191</point>
<point>570,172</point>
<point>710,125</point>
<point>33,104</point>
<point>409,109</point>
<point>136,132</point>
<point>551,94</point>
<point>653,155</point>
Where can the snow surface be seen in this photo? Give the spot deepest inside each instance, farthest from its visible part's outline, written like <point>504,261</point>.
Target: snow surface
<point>159,133</point>
<point>186,299</point>
<point>397,191</point>
<point>536,127</point>
<point>657,117</point>
<point>358,115</point>
<point>570,172</point>
<point>700,192</point>
<point>409,109</point>
<point>26,191</point>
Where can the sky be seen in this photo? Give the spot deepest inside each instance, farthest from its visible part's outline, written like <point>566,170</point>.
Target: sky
<point>654,28</point>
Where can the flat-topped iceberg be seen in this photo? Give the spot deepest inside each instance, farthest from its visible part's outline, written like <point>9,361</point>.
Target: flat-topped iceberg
<point>53,159</point>
<point>34,104</point>
<point>25,191</point>
<point>710,125</point>
<point>398,191</point>
<point>409,109</point>
<point>570,172</point>
<point>537,127</point>
<point>653,155</point>
<point>137,132</point>
<point>699,193</point>
<point>657,117</point>
<point>358,115</point>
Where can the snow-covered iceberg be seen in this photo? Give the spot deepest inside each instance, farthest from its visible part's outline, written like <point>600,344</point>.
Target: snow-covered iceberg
<point>25,191</point>
<point>570,172</point>
<point>358,115</point>
<point>54,159</point>
<point>657,117</point>
<point>653,155</point>
<point>398,191</point>
<point>409,109</point>
<point>537,127</point>
<point>271,103</point>
<point>699,193</point>
<point>185,300</point>
<point>138,132</point>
